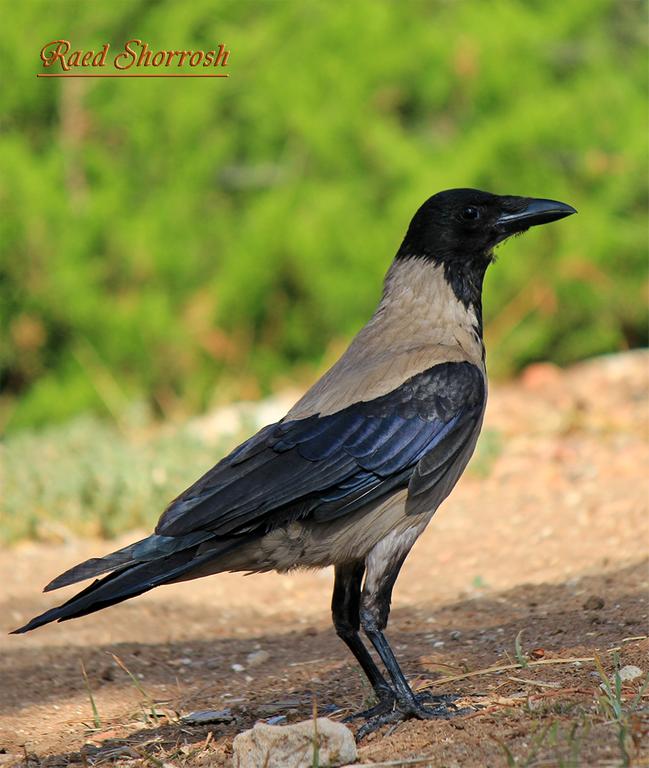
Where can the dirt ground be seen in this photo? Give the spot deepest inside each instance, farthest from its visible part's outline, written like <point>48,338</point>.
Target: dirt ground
<point>548,535</point>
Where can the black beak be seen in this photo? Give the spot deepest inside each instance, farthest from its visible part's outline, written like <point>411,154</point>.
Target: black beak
<point>531,213</point>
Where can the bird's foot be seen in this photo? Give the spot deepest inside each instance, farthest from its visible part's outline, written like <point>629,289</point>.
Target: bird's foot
<point>422,706</point>
<point>426,697</point>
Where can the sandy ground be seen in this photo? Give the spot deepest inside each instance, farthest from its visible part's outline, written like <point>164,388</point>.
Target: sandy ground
<point>547,534</point>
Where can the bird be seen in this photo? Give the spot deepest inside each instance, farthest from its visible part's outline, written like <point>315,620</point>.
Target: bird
<point>355,471</point>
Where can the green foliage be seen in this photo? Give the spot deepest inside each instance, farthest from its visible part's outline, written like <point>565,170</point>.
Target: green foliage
<point>173,239</point>
<point>618,712</point>
<point>88,478</point>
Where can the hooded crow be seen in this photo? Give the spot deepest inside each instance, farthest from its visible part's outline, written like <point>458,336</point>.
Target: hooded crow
<point>352,475</point>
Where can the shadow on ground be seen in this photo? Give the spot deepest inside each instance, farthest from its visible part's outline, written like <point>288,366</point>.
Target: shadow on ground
<point>576,619</point>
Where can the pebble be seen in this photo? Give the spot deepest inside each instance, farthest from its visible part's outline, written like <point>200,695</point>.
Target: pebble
<point>629,672</point>
<point>208,716</point>
<point>276,720</point>
<point>237,668</point>
<point>256,658</point>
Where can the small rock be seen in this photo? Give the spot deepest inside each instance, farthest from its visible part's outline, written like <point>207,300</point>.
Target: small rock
<point>594,603</point>
<point>629,672</point>
<point>256,658</point>
<point>238,668</point>
<point>455,634</point>
<point>182,662</point>
<point>292,746</point>
<point>276,720</point>
<point>208,716</point>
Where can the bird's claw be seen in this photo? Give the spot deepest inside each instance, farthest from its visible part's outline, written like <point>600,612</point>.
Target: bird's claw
<point>405,709</point>
<point>436,698</point>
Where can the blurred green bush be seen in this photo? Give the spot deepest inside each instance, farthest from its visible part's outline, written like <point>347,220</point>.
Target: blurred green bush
<point>87,478</point>
<point>184,241</point>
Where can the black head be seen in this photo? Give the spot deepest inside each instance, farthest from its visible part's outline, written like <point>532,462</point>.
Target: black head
<point>459,229</point>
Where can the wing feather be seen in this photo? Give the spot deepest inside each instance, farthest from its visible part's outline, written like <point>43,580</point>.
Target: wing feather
<point>324,467</point>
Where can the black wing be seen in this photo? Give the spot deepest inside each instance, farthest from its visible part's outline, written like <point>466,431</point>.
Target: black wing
<point>324,467</point>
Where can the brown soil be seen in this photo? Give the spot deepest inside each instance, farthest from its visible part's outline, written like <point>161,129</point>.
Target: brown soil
<point>548,534</point>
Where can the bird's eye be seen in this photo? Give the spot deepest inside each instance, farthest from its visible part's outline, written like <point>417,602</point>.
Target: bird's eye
<point>471,213</point>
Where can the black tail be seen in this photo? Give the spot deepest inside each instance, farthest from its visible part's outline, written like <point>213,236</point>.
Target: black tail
<point>153,547</point>
<point>127,580</point>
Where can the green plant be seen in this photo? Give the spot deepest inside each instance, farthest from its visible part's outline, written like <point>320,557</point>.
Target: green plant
<point>149,712</point>
<point>612,705</point>
<point>521,657</point>
<point>89,478</point>
<point>551,744</point>
<point>180,242</point>
<point>96,720</point>
<point>523,762</point>
<point>315,762</point>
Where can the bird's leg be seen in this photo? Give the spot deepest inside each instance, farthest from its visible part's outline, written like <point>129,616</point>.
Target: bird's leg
<point>374,612</point>
<point>345,606</point>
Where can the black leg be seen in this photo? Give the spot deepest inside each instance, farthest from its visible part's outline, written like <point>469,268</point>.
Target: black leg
<point>376,599</point>
<point>345,606</point>
<point>374,612</point>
